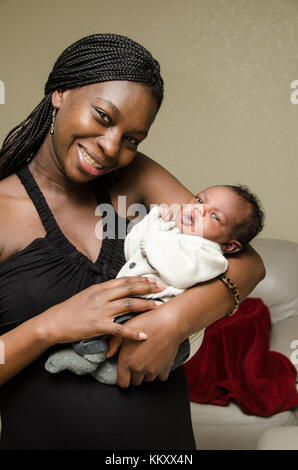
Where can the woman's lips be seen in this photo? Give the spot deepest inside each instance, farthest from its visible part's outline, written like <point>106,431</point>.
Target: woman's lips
<point>85,165</point>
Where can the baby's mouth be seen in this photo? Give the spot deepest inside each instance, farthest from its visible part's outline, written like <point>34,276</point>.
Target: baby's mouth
<point>187,219</point>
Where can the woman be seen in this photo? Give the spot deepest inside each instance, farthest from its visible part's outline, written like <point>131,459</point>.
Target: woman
<point>57,279</point>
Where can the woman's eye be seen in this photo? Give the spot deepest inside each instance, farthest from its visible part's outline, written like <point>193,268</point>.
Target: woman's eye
<point>104,116</point>
<point>199,200</point>
<point>133,141</point>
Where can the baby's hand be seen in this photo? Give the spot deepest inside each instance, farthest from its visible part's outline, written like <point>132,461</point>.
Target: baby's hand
<point>165,213</point>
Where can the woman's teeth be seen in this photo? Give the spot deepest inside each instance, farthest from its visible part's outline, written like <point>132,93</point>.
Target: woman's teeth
<point>90,160</point>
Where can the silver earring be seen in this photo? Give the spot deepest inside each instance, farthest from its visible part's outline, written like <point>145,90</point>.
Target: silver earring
<point>29,158</point>
<point>53,122</point>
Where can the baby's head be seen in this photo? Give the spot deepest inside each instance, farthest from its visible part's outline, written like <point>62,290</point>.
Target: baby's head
<point>229,215</point>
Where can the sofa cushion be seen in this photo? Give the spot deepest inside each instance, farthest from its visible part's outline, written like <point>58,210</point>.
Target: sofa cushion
<point>284,339</point>
<point>227,428</point>
<point>279,438</point>
<point>279,288</point>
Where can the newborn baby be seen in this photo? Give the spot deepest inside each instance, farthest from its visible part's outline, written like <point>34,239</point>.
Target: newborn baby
<point>179,247</point>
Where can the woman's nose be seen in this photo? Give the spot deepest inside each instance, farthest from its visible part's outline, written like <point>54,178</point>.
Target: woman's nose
<point>110,144</point>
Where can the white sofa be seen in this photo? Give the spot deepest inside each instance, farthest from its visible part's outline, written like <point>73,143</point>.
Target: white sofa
<point>279,438</point>
<point>228,428</point>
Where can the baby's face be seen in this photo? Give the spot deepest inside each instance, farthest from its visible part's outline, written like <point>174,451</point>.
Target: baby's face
<point>213,214</point>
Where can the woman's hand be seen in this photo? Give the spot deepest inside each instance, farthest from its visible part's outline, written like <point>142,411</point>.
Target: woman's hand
<point>152,358</point>
<point>92,311</point>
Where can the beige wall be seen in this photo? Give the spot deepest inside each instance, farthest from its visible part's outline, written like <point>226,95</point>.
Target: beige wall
<point>227,65</point>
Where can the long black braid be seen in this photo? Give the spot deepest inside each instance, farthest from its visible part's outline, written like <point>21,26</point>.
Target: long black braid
<point>92,59</point>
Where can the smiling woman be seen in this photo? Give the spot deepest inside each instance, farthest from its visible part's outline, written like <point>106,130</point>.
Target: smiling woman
<point>75,151</point>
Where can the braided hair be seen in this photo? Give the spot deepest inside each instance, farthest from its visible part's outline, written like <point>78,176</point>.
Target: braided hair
<point>92,59</point>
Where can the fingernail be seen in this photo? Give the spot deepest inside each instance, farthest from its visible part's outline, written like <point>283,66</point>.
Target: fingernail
<point>158,302</point>
<point>150,279</point>
<point>142,336</point>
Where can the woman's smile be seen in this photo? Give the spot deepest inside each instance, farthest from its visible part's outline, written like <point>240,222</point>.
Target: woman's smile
<point>88,163</point>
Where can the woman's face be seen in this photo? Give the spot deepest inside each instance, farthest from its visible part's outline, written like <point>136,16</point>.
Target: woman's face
<point>98,127</point>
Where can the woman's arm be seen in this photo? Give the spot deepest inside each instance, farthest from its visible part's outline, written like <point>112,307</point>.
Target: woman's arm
<point>173,322</point>
<point>146,182</point>
<point>89,313</point>
<point>21,346</point>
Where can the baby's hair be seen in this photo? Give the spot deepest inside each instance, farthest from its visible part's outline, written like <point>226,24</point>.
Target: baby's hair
<point>254,223</point>
<point>92,59</point>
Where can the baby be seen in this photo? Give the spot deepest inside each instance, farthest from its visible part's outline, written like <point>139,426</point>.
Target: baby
<point>179,248</point>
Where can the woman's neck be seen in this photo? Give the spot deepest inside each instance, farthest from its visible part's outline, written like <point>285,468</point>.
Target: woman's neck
<point>47,168</point>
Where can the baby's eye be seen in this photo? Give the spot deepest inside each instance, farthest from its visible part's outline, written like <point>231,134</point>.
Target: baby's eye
<point>199,200</point>
<point>215,217</point>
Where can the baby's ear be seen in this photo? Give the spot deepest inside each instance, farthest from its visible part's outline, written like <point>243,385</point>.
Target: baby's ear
<point>232,246</point>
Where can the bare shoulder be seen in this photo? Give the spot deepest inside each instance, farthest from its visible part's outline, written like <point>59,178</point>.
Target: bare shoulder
<point>12,196</point>
<point>148,182</point>
<point>11,191</point>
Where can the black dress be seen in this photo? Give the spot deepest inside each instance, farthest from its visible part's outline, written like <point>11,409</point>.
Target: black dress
<point>40,410</point>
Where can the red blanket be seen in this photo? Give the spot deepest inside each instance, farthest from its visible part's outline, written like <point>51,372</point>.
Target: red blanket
<point>234,363</point>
